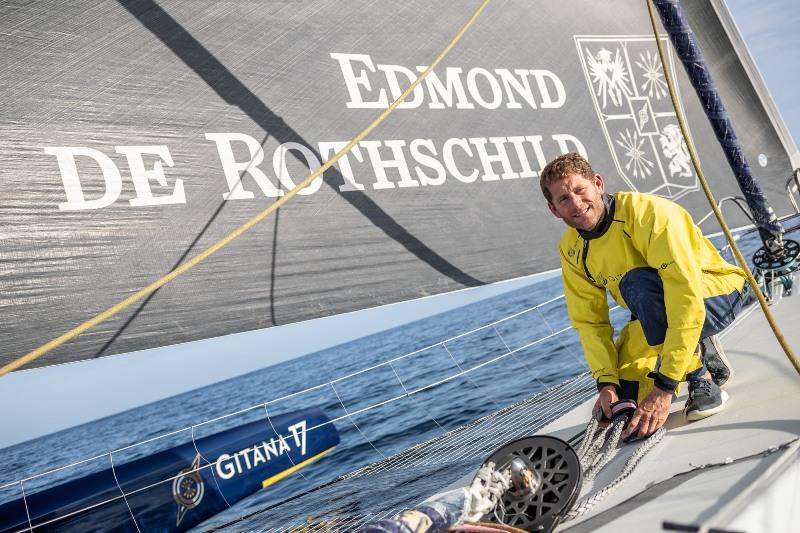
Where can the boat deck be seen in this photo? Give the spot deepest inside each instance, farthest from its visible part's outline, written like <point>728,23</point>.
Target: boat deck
<point>750,441</point>
<point>741,450</point>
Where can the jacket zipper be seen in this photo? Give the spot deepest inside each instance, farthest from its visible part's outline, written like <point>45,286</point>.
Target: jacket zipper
<point>583,258</point>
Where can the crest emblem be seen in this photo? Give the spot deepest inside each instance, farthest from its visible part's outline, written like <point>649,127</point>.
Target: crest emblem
<point>188,489</point>
<point>631,98</point>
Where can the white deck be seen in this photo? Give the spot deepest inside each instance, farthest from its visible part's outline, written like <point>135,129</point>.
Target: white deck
<point>763,412</point>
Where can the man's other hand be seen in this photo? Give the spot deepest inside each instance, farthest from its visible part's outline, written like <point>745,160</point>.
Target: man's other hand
<point>607,396</point>
<point>651,414</point>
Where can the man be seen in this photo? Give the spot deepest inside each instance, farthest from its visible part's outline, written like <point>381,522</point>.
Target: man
<point>652,258</point>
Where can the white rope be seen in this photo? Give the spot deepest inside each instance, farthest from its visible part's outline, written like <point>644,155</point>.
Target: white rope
<point>588,503</point>
<point>605,452</point>
<point>587,437</point>
<point>485,492</point>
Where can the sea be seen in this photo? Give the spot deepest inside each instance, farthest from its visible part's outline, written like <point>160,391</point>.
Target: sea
<point>387,392</point>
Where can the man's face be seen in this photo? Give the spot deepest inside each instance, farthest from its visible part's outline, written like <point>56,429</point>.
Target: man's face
<point>578,201</point>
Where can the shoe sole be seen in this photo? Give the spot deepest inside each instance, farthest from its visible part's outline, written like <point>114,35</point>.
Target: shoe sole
<point>699,415</point>
<point>721,353</point>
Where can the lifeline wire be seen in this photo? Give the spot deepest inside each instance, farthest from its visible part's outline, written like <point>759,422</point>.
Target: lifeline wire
<point>132,299</point>
<point>701,177</point>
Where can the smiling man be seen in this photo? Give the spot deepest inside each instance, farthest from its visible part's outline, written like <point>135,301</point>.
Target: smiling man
<point>648,253</point>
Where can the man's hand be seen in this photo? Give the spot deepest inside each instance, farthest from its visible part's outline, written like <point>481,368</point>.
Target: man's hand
<point>651,414</point>
<point>607,396</point>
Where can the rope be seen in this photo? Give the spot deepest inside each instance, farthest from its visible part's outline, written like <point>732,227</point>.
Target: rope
<point>709,195</point>
<point>596,450</point>
<point>588,503</point>
<point>485,527</point>
<point>607,451</point>
<point>486,491</point>
<point>587,437</point>
<point>208,252</point>
<point>592,451</point>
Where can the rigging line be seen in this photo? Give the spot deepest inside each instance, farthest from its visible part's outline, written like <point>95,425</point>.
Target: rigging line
<point>460,335</point>
<point>469,378</point>
<point>264,405</point>
<point>211,470</point>
<point>288,455</point>
<point>738,200</point>
<point>354,422</point>
<point>520,359</point>
<point>479,438</point>
<point>128,505</point>
<point>449,378</point>
<point>466,442</point>
<point>580,359</point>
<point>435,450</point>
<point>247,226</point>
<point>470,437</point>
<point>25,501</point>
<point>172,478</point>
<point>710,196</point>
<point>520,423</point>
<point>490,361</point>
<point>409,396</point>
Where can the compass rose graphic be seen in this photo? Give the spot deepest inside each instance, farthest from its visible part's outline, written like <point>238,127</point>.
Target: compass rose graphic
<point>188,489</point>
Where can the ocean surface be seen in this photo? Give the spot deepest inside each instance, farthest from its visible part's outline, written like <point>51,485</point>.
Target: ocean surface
<point>488,362</point>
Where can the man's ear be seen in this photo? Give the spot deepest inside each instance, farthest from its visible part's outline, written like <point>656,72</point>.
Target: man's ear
<point>598,181</point>
<point>553,209</point>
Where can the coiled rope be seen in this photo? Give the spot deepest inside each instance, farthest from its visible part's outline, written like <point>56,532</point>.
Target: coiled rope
<point>247,226</point>
<point>710,196</point>
<point>596,450</point>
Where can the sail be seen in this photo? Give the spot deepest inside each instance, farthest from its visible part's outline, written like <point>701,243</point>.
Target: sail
<point>137,133</point>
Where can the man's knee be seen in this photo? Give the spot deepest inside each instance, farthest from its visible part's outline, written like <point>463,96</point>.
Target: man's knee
<point>720,312</point>
<point>643,293</point>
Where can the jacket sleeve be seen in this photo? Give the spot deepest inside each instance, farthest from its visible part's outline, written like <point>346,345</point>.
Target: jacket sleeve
<point>670,243</point>
<point>588,311</point>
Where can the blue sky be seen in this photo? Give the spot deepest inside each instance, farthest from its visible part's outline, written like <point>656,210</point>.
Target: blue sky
<point>771,29</point>
<point>57,397</point>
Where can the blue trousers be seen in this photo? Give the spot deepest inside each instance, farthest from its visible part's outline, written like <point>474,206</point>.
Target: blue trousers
<point>643,292</point>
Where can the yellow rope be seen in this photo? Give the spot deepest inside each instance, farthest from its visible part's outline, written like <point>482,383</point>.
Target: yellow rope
<point>130,300</point>
<point>701,177</point>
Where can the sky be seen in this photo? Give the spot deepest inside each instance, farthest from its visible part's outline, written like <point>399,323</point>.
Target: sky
<point>770,29</point>
<point>57,397</point>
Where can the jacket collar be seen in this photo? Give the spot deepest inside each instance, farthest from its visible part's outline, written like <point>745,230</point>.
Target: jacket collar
<point>605,221</point>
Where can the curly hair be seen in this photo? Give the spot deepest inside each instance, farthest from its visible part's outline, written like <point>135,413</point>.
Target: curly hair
<point>561,167</point>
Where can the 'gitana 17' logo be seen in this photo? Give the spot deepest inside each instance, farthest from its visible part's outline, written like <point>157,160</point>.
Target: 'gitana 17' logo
<point>630,95</point>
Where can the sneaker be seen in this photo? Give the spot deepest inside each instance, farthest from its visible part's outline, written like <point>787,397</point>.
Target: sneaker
<point>705,399</point>
<point>715,360</point>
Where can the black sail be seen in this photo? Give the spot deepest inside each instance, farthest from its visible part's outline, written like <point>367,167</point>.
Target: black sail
<point>136,133</point>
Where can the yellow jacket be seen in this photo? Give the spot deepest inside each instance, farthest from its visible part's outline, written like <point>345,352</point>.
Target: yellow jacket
<point>644,231</point>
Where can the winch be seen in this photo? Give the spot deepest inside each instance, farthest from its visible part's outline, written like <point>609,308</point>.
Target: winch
<point>774,269</point>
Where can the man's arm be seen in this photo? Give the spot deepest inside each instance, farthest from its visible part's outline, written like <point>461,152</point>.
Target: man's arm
<point>588,312</point>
